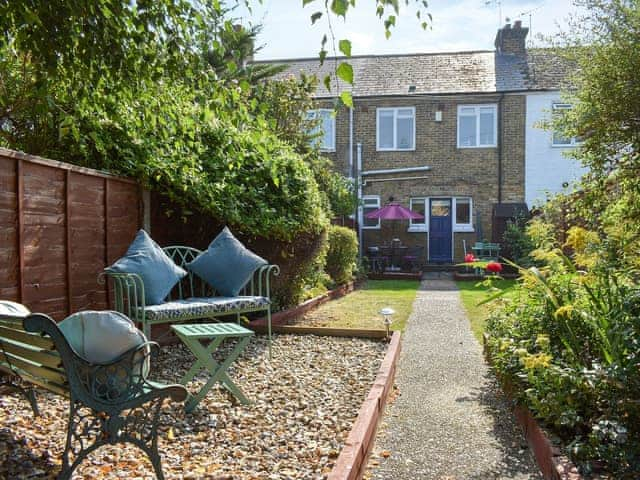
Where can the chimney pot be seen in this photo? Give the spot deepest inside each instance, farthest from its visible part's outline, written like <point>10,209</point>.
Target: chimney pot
<point>512,41</point>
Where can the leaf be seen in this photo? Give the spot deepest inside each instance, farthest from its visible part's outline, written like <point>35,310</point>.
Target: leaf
<point>306,2</point>
<point>347,99</point>
<point>339,7</point>
<point>315,17</point>
<point>323,55</point>
<point>327,82</point>
<point>345,47</point>
<point>345,72</point>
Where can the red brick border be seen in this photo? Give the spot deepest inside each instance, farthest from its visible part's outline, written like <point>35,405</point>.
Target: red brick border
<point>552,464</point>
<point>352,461</point>
<point>285,316</point>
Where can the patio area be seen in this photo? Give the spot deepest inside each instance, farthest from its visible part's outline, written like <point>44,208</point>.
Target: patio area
<point>304,403</point>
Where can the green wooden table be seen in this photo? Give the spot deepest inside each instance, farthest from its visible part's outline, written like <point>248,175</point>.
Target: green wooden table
<point>194,336</point>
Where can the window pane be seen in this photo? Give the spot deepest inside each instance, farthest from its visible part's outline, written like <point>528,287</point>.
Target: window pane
<point>558,139</point>
<point>467,131</point>
<point>487,132</point>
<point>327,127</point>
<point>385,130</point>
<point>440,208</point>
<point>369,205</point>
<point>468,111</point>
<point>405,133</point>
<point>463,211</point>
<point>405,112</point>
<point>417,205</point>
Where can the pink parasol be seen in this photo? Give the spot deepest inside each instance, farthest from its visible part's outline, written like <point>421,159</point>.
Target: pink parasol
<point>394,211</point>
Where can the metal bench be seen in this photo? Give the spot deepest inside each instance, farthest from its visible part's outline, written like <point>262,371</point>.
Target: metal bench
<point>192,298</point>
<point>110,403</point>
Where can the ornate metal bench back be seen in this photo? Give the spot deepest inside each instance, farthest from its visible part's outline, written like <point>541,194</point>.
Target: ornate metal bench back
<point>98,386</point>
<point>191,285</point>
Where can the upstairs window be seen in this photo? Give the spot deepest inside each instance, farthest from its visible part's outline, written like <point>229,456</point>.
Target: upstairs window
<point>396,128</point>
<point>557,138</point>
<point>477,126</point>
<point>326,128</point>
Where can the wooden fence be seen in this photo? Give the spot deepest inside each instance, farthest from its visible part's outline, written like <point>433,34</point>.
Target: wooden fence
<point>60,225</point>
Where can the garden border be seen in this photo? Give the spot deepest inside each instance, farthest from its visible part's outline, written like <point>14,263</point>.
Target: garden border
<point>284,316</point>
<point>352,461</point>
<point>552,464</point>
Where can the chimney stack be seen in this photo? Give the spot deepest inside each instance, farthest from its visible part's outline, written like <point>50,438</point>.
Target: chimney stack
<point>511,41</point>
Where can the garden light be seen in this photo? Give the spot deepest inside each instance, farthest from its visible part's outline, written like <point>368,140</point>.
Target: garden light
<point>386,313</point>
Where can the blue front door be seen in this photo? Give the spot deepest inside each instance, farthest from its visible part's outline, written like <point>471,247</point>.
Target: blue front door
<point>440,230</point>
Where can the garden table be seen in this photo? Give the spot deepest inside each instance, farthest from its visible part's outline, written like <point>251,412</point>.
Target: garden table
<point>193,335</point>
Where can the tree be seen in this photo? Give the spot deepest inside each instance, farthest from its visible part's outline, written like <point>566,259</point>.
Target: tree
<point>605,46</point>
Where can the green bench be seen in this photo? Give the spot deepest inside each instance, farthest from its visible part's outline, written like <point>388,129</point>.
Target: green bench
<point>110,403</point>
<point>192,298</point>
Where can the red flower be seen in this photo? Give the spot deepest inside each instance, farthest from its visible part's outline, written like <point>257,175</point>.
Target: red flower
<point>469,258</point>
<point>494,267</point>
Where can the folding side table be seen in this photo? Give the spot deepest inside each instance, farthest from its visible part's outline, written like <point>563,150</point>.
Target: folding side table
<point>193,336</point>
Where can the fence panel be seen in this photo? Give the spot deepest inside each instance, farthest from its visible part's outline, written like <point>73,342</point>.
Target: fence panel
<point>60,225</point>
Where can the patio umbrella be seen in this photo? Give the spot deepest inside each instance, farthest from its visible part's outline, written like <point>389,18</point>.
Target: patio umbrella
<point>394,211</point>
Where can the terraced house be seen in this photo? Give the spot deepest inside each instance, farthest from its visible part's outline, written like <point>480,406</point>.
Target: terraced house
<point>452,136</point>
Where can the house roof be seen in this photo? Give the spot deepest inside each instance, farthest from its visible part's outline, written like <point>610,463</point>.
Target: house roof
<point>436,73</point>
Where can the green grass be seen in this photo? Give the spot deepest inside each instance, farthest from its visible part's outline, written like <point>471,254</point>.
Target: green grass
<point>360,309</point>
<point>472,293</point>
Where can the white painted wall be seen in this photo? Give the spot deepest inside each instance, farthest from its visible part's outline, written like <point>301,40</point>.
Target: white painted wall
<point>546,167</point>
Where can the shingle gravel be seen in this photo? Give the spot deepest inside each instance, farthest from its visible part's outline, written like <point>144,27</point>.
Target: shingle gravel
<point>450,420</point>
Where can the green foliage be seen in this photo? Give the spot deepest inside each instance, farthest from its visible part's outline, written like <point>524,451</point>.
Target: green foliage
<point>517,244</point>
<point>189,124</point>
<point>342,254</point>
<point>569,339</point>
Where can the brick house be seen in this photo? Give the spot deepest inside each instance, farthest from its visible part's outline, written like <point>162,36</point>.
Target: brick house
<point>443,134</point>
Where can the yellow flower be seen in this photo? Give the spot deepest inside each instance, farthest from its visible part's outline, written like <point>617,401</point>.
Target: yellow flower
<point>539,360</point>
<point>542,341</point>
<point>564,311</point>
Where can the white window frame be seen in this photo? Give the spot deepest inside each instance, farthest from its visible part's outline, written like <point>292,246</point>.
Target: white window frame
<point>417,225</point>
<point>461,227</point>
<point>364,199</point>
<point>313,114</point>
<point>395,129</point>
<point>558,106</point>
<point>476,114</point>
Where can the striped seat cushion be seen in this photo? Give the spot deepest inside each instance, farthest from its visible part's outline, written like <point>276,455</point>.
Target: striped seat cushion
<point>202,307</point>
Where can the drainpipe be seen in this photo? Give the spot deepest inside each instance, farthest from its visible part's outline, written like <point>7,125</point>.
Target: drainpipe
<point>351,143</point>
<point>359,196</point>
<point>500,148</point>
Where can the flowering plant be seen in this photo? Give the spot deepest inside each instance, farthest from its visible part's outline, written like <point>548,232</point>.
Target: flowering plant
<point>469,258</point>
<point>494,267</point>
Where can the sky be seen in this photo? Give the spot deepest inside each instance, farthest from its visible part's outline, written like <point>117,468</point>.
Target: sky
<point>457,25</point>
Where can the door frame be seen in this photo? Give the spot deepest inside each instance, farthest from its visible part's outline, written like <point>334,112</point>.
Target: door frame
<point>428,211</point>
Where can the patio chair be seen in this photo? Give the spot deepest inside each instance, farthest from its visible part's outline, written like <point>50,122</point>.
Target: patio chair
<point>411,259</point>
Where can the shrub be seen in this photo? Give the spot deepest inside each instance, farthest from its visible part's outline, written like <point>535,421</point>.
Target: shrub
<point>342,254</point>
<point>569,340</point>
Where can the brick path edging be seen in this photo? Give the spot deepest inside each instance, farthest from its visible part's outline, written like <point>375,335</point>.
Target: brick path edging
<point>352,461</point>
<point>283,317</point>
<point>552,464</point>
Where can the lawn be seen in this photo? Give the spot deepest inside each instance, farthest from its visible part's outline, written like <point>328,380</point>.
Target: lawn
<point>361,308</point>
<point>473,293</point>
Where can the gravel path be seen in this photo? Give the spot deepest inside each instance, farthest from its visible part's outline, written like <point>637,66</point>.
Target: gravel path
<point>449,421</point>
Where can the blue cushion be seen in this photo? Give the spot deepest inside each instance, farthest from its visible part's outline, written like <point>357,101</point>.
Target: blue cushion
<point>159,273</point>
<point>226,265</point>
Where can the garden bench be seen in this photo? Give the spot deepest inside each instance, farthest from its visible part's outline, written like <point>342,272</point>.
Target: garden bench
<point>192,298</point>
<point>110,403</point>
